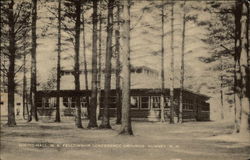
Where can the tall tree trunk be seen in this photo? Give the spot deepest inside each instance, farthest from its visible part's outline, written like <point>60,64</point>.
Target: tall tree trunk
<point>162,64</point>
<point>237,75</point>
<point>99,76</point>
<point>11,70</point>
<point>92,117</point>
<point>244,125</point>
<point>118,67</point>
<point>221,90</point>
<point>58,80</point>
<point>105,117</point>
<point>126,127</point>
<point>33,63</point>
<point>182,64</point>
<point>85,63</point>
<point>25,106</point>
<point>248,47</point>
<point>172,107</point>
<point>77,68</point>
<point>1,60</point>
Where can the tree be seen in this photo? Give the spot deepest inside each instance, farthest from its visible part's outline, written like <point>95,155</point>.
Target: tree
<point>25,94</point>
<point>221,89</point>
<point>99,76</point>
<point>172,107</point>
<point>1,55</point>
<point>105,117</point>
<point>11,70</point>
<point>72,14</point>
<point>126,127</point>
<point>182,64</point>
<point>85,61</point>
<point>92,117</point>
<point>33,80</point>
<point>77,5</point>
<point>162,64</point>
<point>15,23</point>
<point>58,81</point>
<point>118,67</point>
<point>244,67</point>
<point>232,40</point>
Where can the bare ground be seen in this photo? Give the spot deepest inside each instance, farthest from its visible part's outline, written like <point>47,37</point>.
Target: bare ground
<point>46,140</point>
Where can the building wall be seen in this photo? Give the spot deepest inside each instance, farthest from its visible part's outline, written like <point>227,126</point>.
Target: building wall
<point>4,104</point>
<point>139,79</point>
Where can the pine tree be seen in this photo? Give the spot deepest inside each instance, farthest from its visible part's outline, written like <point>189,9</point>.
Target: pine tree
<point>244,68</point>
<point>77,65</point>
<point>85,63</point>
<point>118,66</point>
<point>107,84</point>
<point>58,81</point>
<point>182,64</point>
<point>162,64</point>
<point>99,62</point>
<point>126,127</point>
<point>15,26</point>
<point>172,107</point>
<point>33,81</point>
<point>92,117</point>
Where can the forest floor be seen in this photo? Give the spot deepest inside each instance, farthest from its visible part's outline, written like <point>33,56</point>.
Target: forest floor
<point>46,140</point>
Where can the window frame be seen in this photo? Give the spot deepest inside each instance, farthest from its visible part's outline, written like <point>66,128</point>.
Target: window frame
<point>145,102</point>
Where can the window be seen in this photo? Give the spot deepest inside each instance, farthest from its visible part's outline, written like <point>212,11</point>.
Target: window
<point>73,102</point>
<point>167,102</point>
<point>144,102</point>
<point>205,107</point>
<point>135,102</point>
<point>156,101</point>
<point>65,102</point>
<point>52,102</point>
<point>45,102</point>
<point>83,101</point>
<point>112,102</point>
<point>39,102</point>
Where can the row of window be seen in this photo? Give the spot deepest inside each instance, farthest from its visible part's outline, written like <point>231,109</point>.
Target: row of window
<point>137,102</point>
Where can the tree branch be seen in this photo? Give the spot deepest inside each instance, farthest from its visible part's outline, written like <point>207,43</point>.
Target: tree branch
<point>18,69</point>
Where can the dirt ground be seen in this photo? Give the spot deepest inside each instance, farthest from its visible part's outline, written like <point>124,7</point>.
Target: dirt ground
<point>46,140</point>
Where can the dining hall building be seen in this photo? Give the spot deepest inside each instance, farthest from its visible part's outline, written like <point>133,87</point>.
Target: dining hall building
<point>145,97</point>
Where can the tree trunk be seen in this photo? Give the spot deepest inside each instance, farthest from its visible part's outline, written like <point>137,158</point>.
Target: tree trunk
<point>92,117</point>
<point>33,63</point>
<point>172,107</point>
<point>25,106</point>
<point>118,68</point>
<point>11,71</point>
<point>1,58</point>
<point>85,64</point>
<point>180,120</point>
<point>105,117</point>
<point>237,113</point>
<point>126,127</point>
<point>237,76</point>
<point>58,80</point>
<point>221,90</point>
<point>77,70</point>
<point>99,76</point>
<point>244,125</point>
<point>162,65</point>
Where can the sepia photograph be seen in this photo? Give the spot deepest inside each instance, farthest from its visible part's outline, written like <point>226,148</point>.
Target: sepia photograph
<point>124,80</point>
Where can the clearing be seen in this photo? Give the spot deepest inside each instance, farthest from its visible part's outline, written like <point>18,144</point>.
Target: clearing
<point>46,140</point>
